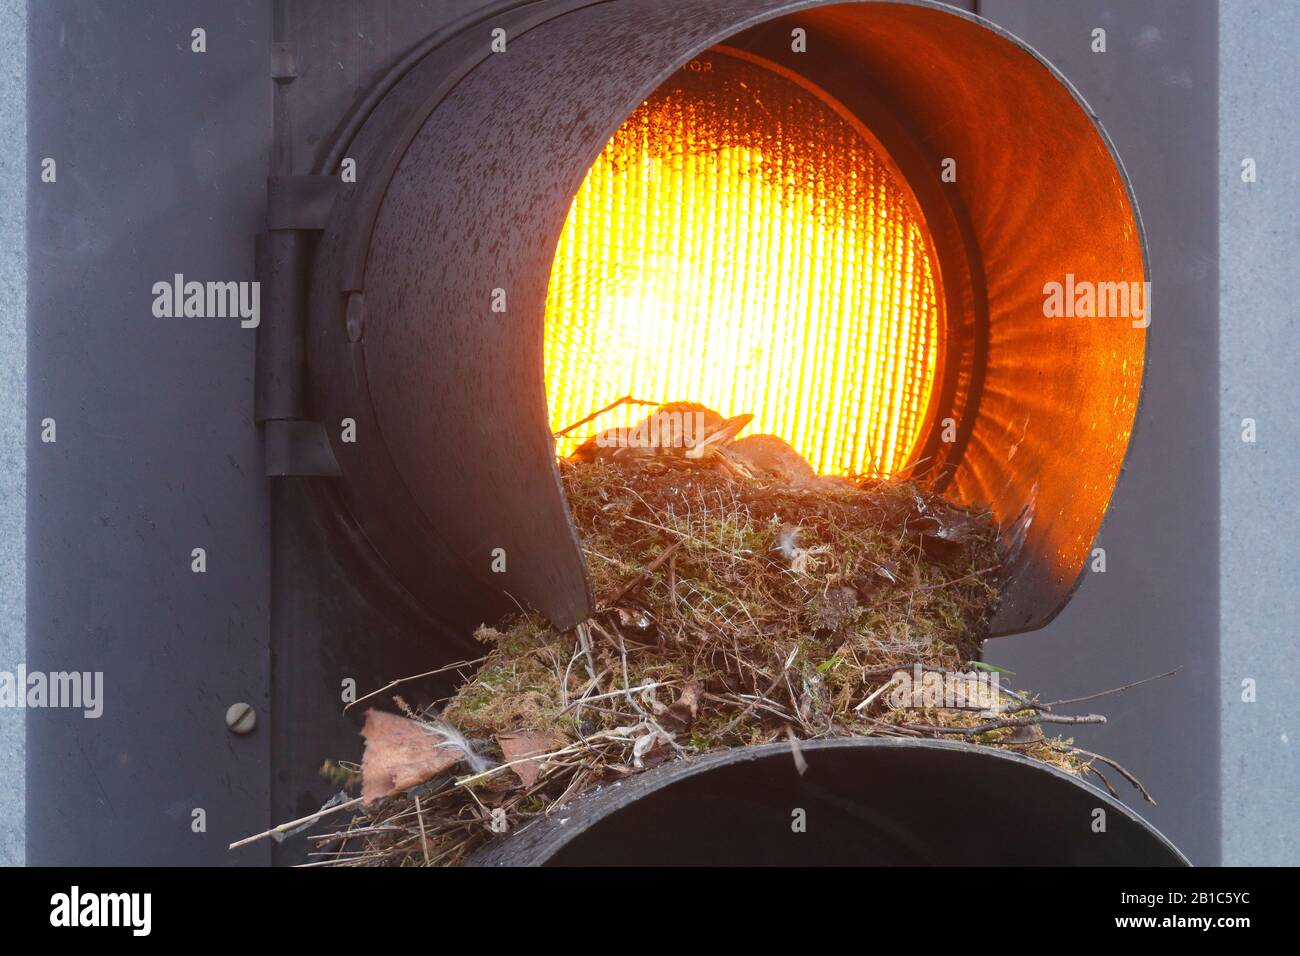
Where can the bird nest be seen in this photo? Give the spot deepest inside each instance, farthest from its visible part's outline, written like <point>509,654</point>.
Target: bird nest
<point>740,600</point>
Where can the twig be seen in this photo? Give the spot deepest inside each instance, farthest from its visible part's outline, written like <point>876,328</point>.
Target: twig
<point>1111,790</point>
<point>1008,722</point>
<point>964,577</point>
<point>641,711</point>
<point>404,680</point>
<point>1113,690</point>
<point>771,687</point>
<point>640,577</point>
<point>424,839</point>
<point>688,537</point>
<point>1126,775</point>
<point>871,698</point>
<point>583,701</point>
<point>625,400</point>
<point>584,642</point>
<point>292,824</point>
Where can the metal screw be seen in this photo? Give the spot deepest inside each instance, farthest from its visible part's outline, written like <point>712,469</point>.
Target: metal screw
<point>241,718</point>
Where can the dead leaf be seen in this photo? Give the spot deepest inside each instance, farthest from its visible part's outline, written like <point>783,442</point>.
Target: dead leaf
<point>400,754</point>
<point>520,746</point>
<point>687,707</point>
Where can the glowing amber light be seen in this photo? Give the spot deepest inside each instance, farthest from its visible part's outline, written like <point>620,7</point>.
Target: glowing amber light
<point>741,244</point>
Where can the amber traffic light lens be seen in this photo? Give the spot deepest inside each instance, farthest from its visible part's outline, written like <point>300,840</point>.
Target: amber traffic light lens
<point>743,243</point>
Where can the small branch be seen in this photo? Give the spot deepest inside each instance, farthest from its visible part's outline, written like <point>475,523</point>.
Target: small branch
<point>871,699</point>
<point>964,577</point>
<point>294,824</point>
<point>1101,776</point>
<point>584,642</point>
<point>1008,722</point>
<point>583,701</point>
<point>424,839</point>
<point>627,692</point>
<point>750,709</point>
<point>1124,773</point>
<point>1113,690</point>
<point>625,400</point>
<point>641,576</point>
<point>404,680</point>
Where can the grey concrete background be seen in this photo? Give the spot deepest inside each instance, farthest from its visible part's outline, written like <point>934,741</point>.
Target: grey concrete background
<point>1259,348</point>
<point>1260,515</point>
<point>13,411</point>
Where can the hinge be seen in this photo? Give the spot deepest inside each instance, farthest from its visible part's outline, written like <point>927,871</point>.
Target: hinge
<point>297,207</point>
<point>300,202</point>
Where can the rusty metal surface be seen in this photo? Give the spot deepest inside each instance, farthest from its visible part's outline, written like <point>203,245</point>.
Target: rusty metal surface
<point>455,444</point>
<point>735,808</point>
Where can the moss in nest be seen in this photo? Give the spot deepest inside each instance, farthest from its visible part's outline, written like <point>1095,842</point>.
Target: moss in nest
<point>732,609</point>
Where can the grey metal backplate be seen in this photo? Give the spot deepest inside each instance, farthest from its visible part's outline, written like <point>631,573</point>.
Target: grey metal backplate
<point>162,157</point>
<point>1156,606</point>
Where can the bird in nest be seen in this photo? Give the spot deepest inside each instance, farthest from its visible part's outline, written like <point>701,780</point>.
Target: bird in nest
<point>677,430</point>
<point>691,431</point>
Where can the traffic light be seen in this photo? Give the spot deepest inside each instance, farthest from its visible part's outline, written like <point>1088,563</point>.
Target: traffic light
<point>846,219</point>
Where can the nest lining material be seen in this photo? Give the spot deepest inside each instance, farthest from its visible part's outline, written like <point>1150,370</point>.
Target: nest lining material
<point>741,600</point>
